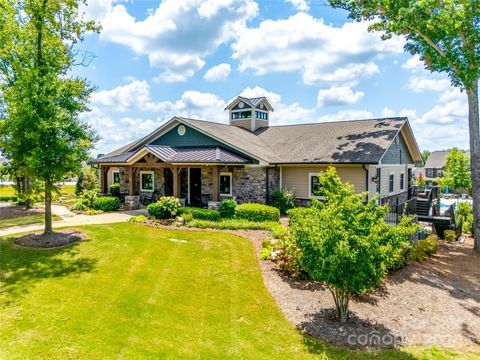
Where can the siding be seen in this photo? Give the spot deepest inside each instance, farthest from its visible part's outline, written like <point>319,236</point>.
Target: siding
<point>110,175</point>
<point>397,153</point>
<point>296,177</point>
<point>384,181</point>
<point>247,124</point>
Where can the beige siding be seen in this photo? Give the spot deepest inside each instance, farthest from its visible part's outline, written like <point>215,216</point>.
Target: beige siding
<point>247,123</point>
<point>297,177</point>
<point>396,170</point>
<point>260,123</point>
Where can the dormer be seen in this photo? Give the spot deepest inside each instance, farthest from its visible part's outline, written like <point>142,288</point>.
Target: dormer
<point>249,113</point>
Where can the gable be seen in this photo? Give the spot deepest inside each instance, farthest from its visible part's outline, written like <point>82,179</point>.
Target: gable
<point>398,152</point>
<point>192,138</point>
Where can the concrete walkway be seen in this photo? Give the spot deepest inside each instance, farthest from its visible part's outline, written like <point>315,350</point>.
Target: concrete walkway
<point>72,219</point>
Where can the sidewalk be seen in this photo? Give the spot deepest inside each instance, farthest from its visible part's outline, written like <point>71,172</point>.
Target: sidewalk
<point>72,219</point>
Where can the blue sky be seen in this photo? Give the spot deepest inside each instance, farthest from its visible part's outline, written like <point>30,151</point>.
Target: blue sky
<point>157,59</point>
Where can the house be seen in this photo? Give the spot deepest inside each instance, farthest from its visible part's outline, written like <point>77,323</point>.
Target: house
<point>204,162</point>
<point>435,165</point>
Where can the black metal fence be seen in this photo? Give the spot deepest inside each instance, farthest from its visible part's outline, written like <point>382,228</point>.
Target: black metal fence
<point>396,212</point>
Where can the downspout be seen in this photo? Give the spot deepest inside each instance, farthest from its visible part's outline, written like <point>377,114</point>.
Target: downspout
<point>267,192</point>
<point>366,181</point>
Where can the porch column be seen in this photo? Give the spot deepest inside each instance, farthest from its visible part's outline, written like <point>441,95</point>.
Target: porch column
<point>131,181</point>
<point>215,183</point>
<point>104,179</point>
<point>176,188</point>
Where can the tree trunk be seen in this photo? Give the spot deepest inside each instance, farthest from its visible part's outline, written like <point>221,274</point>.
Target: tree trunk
<point>473,122</point>
<point>48,207</point>
<point>341,299</point>
<point>27,189</point>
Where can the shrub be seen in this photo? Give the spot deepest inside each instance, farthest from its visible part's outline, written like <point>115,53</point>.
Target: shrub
<point>424,248</point>
<point>114,190</point>
<point>283,200</point>
<point>165,208</point>
<point>235,224</point>
<point>8,198</point>
<point>464,212</point>
<point>78,206</point>
<point>93,212</point>
<point>88,197</point>
<point>289,258</point>
<point>227,208</point>
<point>449,235</point>
<point>257,212</point>
<point>297,214</point>
<point>265,253</point>
<point>199,213</point>
<point>137,219</point>
<point>187,217</point>
<point>106,203</point>
<point>86,181</point>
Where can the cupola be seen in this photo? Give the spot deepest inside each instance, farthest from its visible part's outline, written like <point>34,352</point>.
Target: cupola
<point>249,113</point>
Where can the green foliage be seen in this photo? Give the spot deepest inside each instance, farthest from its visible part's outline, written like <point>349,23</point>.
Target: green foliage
<point>257,212</point>
<point>294,215</point>
<point>425,155</point>
<point>165,208</point>
<point>344,242</point>
<point>41,131</point>
<point>424,248</point>
<point>227,208</point>
<point>449,236</point>
<point>187,216</point>
<point>8,198</point>
<point>237,224</point>
<point>283,200</point>
<point>93,212</point>
<point>199,213</point>
<point>421,181</point>
<point>89,197</point>
<point>265,253</point>
<point>106,203</point>
<point>465,212</point>
<point>457,170</point>
<point>87,181</point>
<point>114,190</point>
<point>78,206</point>
<point>137,219</point>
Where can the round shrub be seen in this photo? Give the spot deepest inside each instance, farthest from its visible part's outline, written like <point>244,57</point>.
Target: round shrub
<point>200,214</point>
<point>106,203</point>
<point>78,206</point>
<point>114,190</point>
<point>449,236</point>
<point>165,208</point>
<point>137,219</point>
<point>257,212</point>
<point>283,200</point>
<point>424,248</point>
<point>227,208</point>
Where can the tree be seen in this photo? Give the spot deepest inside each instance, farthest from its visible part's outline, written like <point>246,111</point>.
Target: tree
<point>425,155</point>
<point>421,180</point>
<point>457,170</point>
<point>40,129</point>
<point>446,36</point>
<point>345,241</point>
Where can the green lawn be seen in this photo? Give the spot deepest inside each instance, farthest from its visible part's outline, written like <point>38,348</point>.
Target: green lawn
<point>25,220</point>
<point>67,191</point>
<point>135,292</point>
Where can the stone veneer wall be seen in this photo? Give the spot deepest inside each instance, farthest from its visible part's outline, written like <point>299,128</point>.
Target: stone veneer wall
<point>249,184</point>
<point>207,181</point>
<point>123,180</point>
<point>273,179</point>
<point>158,180</point>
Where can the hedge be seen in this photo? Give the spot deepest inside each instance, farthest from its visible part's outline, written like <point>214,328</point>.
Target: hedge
<point>8,198</point>
<point>106,203</point>
<point>257,212</point>
<point>200,214</point>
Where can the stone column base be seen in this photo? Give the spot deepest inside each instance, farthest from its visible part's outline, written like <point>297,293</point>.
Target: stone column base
<point>214,205</point>
<point>132,202</point>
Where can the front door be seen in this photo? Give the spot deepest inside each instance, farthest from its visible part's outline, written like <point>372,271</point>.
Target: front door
<point>195,186</point>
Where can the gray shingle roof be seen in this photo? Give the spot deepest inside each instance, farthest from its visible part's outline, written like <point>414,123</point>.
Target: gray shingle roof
<point>356,141</point>
<point>437,160</point>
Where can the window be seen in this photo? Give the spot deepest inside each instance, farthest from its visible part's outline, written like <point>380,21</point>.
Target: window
<point>439,173</point>
<point>241,115</point>
<point>391,182</point>
<point>146,180</point>
<point>226,184</point>
<point>116,177</point>
<point>402,181</point>
<point>379,178</point>
<point>261,115</point>
<point>314,187</point>
<point>430,173</point>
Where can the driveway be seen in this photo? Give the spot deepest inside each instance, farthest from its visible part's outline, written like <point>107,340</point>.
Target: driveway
<point>71,219</point>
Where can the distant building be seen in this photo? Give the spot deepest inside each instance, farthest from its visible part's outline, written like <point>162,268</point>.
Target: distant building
<point>435,165</point>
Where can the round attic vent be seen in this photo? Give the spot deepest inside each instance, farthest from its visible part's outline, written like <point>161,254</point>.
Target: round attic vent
<point>181,130</point>
<point>241,104</point>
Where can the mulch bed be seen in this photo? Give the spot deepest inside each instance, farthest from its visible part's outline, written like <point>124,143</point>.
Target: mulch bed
<point>55,239</point>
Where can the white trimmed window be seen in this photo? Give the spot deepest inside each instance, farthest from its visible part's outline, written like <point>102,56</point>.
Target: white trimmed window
<point>430,173</point>
<point>391,182</point>
<point>116,177</point>
<point>314,187</point>
<point>146,180</point>
<point>226,183</point>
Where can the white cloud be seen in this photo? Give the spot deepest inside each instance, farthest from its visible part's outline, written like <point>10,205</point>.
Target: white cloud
<point>320,52</point>
<point>422,83</point>
<point>300,5</point>
<point>96,9</point>
<point>344,115</point>
<point>338,95</point>
<point>284,113</point>
<point>179,33</point>
<point>414,64</point>
<point>218,72</point>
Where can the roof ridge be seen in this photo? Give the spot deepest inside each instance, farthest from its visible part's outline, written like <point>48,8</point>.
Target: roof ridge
<point>395,118</point>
